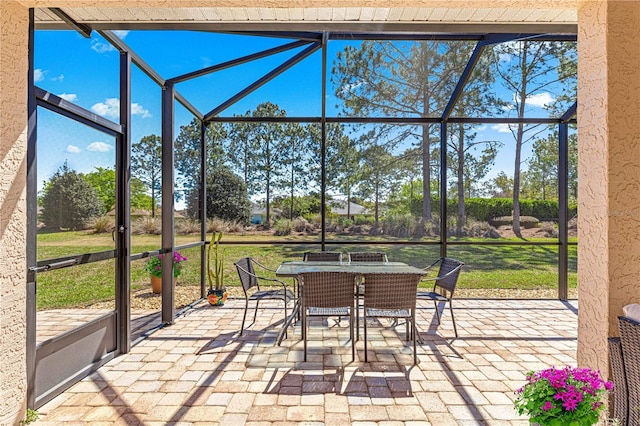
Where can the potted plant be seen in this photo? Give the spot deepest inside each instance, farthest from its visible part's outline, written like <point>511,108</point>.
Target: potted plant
<point>154,267</point>
<point>563,397</point>
<point>217,294</point>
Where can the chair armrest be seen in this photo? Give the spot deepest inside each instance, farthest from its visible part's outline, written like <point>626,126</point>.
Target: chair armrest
<point>443,276</point>
<point>262,266</point>
<point>427,268</point>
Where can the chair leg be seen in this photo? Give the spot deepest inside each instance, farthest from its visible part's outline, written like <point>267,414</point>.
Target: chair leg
<point>455,330</point>
<point>406,332</point>
<point>414,331</point>
<point>353,340</point>
<point>244,317</point>
<point>357,317</point>
<point>255,314</point>
<point>435,305</point>
<point>364,320</point>
<point>284,323</point>
<point>304,331</point>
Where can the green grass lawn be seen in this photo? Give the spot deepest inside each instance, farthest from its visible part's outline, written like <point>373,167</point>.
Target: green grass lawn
<point>488,267</point>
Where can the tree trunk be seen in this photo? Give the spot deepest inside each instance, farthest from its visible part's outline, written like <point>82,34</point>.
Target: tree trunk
<point>460,175</point>
<point>519,140</point>
<point>376,203</point>
<point>153,198</point>
<point>268,183</point>
<point>426,174</point>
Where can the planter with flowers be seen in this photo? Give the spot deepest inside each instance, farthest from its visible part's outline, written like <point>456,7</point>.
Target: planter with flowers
<point>217,294</point>
<point>563,397</point>
<point>154,267</point>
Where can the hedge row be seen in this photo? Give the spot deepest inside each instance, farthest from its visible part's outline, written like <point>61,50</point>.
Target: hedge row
<point>485,209</point>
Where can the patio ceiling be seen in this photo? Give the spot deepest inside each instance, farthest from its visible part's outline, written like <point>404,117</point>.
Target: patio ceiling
<point>553,19</point>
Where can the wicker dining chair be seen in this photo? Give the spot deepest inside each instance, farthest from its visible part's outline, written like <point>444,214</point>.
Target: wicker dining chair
<point>630,339</point>
<point>322,256</point>
<point>391,296</point>
<point>250,279</point>
<point>364,256</point>
<point>444,285</point>
<point>620,396</point>
<point>327,294</point>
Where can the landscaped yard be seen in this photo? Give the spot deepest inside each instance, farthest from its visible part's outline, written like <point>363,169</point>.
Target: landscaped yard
<point>486,266</point>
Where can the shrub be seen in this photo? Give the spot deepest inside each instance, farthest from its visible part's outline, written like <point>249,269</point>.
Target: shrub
<point>283,227</point>
<point>215,224</point>
<point>364,220</point>
<point>235,228</point>
<point>146,225</point>
<point>187,226</point>
<point>226,197</point>
<point>526,222</point>
<point>103,224</point>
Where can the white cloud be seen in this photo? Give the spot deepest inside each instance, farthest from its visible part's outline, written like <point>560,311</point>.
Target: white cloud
<point>58,78</point>
<point>38,74</point>
<point>109,108</point>
<point>101,47</point>
<point>540,100</point>
<point>508,107</point>
<point>503,127</point>
<point>73,149</point>
<point>121,33</point>
<point>104,46</point>
<point>137,109</point>
<point>71,97</point>
<point>99,147</point>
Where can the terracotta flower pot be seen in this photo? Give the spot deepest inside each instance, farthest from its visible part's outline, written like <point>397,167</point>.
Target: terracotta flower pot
<point>156,284</point>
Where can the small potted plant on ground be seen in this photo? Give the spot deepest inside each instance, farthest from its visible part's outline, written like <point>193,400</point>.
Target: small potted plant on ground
<point>154,267</point>
<point>563,397</point>
<point>217,294</point>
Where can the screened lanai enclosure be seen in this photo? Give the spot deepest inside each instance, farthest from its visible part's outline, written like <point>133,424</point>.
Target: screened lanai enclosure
<point>421,145</point>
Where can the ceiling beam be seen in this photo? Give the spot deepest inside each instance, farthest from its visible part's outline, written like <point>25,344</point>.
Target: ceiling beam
<point>83,29</point>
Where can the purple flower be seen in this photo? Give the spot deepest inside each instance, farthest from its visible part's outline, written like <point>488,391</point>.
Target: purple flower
<point>547,406</point>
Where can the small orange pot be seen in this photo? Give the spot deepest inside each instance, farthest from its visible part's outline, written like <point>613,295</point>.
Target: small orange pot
<point>156,284</point>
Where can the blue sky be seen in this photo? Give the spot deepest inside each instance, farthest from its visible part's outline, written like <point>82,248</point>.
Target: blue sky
<point>85,72</point>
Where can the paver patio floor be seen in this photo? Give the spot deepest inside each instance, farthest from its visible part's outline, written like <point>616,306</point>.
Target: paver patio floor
<point>199,371</point>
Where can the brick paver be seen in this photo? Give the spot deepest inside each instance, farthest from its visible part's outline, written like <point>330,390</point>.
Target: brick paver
<point>199,371</point>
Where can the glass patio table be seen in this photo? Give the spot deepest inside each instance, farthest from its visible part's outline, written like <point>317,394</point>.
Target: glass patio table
<point>291,269</point>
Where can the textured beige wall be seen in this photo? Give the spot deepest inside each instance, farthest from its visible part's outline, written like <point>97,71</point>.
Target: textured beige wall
<point>14,21</point>
<point>608,171</point>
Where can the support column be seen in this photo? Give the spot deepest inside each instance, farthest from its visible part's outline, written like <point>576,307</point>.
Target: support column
<point>609,171</point>
<point>14,31</point>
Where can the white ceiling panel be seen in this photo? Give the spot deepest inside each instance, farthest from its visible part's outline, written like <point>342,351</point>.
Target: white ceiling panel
<point>121,17</point>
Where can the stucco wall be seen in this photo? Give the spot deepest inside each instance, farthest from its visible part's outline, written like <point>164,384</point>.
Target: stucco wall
<point>608,171</point>
<point>14,21</point>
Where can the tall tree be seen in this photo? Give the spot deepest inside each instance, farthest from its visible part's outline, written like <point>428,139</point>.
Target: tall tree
<point>295,174</point>
<point>528,70</point>
<point>103,180</point>
<point>462,144</point>
<point>341,159</point>
<point>259,150</point>
<point>146,165</point>
<point>398,79</point>
<point>378,169</point>
<point>188,149</point>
